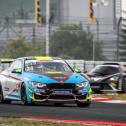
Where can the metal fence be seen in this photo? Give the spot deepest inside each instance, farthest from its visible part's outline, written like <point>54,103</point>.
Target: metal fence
<point>103,31</point>
<point>85,66</point>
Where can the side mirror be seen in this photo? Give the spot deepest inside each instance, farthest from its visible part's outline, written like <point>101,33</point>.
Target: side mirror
<point>18,71</point>
<point>85,72</point>
<point>77,70</point>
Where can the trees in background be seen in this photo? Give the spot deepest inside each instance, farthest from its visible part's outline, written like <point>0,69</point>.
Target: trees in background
<point>66,42</point>
<point>73,42</point>
<point>20,48</point>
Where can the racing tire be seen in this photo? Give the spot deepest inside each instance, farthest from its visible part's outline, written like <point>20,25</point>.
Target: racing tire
<point>123,86</point>
<point>58,104</point>
<point>2,98</point>
<point>23,95</point>
<point>86,104</point>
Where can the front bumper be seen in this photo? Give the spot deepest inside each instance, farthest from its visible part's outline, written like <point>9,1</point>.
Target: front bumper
<point>61,98</point>
<point>104,86</point>
<point>65,93</point>
<point>64,98</point>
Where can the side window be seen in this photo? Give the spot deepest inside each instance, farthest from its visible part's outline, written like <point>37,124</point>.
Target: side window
<point>15,65</point>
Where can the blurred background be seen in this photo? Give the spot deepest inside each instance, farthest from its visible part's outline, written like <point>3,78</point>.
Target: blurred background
<point>91,30</point>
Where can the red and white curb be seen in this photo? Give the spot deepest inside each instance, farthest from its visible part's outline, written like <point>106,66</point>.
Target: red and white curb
<point>87,122</point>
<point>108,100</point>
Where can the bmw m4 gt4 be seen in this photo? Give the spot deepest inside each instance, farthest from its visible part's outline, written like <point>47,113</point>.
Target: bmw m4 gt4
<point>43,79</point>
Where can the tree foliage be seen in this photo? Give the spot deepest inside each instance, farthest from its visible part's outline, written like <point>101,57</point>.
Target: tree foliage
<point>20,48</point>
<point>72,41</point>
<point>67,42</point>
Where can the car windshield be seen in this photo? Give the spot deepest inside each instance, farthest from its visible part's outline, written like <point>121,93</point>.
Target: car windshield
<point>46,66</point>
<point>104,70</point>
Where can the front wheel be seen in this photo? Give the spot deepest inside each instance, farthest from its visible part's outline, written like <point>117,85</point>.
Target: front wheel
<point>23,95</point>
<point>123,86</point>
<point>81,104</point>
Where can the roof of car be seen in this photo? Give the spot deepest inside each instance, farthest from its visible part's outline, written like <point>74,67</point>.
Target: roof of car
<point>111,64</point>
<point>115,65</point>
<point>42,58</point>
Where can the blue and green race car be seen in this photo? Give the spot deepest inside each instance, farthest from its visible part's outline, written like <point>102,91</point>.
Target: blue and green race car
<point>44,79</point>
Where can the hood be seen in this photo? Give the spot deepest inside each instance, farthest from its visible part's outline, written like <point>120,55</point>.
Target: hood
<point>103,79</point>
<point>55,77</point>
<point>98,74</point>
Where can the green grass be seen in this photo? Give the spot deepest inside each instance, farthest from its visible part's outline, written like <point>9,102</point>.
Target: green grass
<point>5,121</point>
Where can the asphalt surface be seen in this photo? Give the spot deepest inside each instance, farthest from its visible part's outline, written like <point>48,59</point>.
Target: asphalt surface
<point>96,112</point>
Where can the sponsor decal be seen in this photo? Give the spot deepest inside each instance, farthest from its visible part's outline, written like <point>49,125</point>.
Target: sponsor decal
<point>6,89</point>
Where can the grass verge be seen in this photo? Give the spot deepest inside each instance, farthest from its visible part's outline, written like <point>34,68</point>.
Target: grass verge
<point>6,121</point>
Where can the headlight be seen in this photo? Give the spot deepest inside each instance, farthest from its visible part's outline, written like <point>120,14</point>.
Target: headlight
<point>114,78</point>
<point>36,84</point>
<point>84,84</point>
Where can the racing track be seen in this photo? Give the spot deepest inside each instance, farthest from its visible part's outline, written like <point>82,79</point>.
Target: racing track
<point>96,112</point>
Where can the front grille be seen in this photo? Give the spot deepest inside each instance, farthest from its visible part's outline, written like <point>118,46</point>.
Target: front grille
<point>95,84</point>
<point>61,86</point>
<point>61,97</point>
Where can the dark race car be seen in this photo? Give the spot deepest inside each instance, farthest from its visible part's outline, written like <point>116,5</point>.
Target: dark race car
<point>108,77</point>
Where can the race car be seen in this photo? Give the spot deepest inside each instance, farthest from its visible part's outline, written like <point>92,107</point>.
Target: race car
<point>4,63</point>
<point>108,77</point>
<point>44,79</point>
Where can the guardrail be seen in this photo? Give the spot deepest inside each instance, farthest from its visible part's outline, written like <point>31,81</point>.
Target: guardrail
<point>88,65</point>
